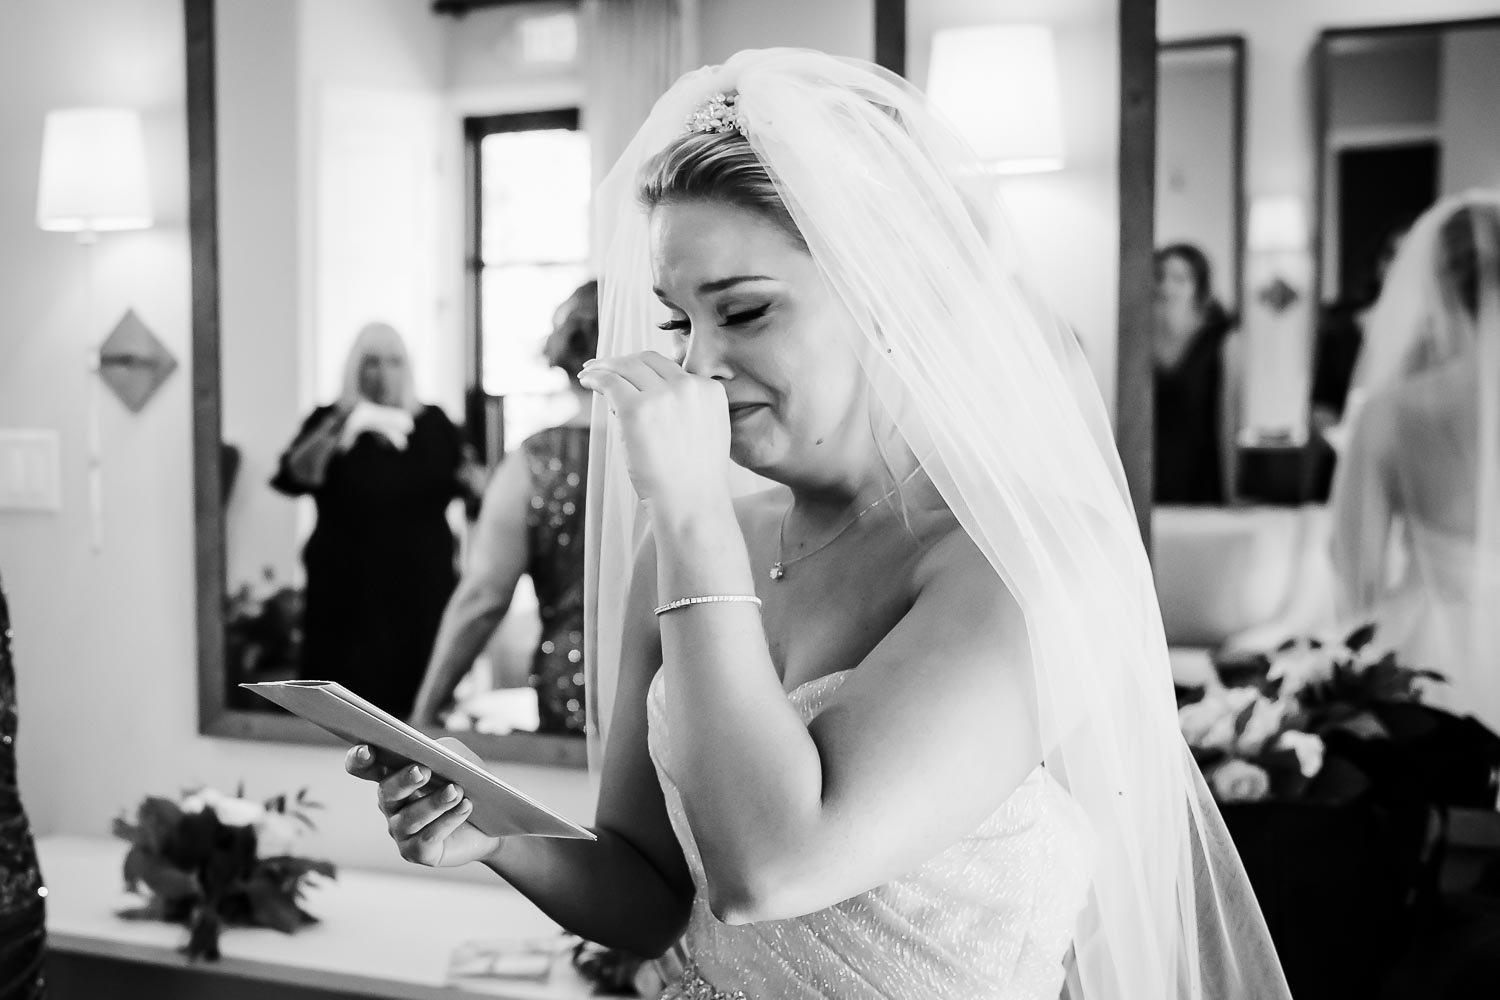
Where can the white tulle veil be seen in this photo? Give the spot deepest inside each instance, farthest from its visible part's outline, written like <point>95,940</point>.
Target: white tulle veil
<point>993,397</point>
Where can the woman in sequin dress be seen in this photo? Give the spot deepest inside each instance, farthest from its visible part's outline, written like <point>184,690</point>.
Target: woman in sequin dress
<point>531,521</point>
<point>902,725</point>
<point>22,905</point>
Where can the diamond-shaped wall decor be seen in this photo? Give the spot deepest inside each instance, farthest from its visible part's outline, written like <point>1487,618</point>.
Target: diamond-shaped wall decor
<point>133,362</point>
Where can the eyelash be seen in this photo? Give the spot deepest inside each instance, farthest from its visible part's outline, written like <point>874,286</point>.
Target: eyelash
<point>748,316</point>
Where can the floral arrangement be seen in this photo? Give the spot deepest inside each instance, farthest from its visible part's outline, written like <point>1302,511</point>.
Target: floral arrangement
<point>210,861</point>
<point>1341,685</point>
<point>1266,740</point>
<point>1250,746</point>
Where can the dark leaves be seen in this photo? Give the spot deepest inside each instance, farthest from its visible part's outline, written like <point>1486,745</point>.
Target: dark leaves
<point>1360,637</point>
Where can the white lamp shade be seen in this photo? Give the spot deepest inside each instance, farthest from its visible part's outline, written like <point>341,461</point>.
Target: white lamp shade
<point>93,175</point>
<point>1277,223</point>
<point>998,85</point>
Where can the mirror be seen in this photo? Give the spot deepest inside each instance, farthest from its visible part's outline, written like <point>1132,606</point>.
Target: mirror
<point>390,204</point>
<point>1197,263</point>
<point>1407,114</point>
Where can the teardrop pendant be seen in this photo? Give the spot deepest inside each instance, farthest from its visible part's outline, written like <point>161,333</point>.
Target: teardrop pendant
<point>777,572</point>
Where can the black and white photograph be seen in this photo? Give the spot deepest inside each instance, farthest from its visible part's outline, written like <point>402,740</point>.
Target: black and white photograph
<point>749,499</point>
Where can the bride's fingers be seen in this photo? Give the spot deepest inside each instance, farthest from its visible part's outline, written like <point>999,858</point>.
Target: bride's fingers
<point>663,366</point>
<point>632,368</point>
<point>404,786</point>
<point>419,815</point>
<point>447,824</point>
<point>615,389</point>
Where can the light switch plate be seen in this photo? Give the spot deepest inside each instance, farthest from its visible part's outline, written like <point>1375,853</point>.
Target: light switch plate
<point>29,470</point>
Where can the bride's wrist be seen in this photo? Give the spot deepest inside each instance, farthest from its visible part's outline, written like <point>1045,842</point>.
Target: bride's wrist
<point>705,514</point>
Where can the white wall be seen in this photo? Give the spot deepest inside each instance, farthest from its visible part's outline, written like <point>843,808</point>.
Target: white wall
<point>1470,101</point>
<point>105,643</point>
<point>261,275</point>
<point>1393,83</point>
<point>1068,221</point>
<point>839,27</point>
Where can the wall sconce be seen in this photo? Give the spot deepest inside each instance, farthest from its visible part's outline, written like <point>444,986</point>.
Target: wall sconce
<point>1278,227</point>
<point>1277,325</point>
<point>93,179</point>
<point>998,85</point>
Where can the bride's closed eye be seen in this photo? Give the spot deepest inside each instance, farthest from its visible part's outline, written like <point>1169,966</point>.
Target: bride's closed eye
<point>745,316</point>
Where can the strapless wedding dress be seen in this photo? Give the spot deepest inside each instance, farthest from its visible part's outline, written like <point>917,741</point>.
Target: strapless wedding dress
<point>990,918</point>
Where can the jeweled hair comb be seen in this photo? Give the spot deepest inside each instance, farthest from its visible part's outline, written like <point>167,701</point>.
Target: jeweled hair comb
<point>720,113</point>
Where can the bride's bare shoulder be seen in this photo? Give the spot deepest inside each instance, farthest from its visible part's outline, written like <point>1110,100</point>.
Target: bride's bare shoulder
<point>951,558</point>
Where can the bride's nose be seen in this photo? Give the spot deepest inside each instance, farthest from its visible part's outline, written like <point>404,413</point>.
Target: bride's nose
<point>705,354</point>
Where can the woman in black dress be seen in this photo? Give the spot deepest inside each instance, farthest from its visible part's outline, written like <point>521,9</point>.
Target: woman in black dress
<point>1197,379</point>
<point>23,935</point>
<point>382,469</point>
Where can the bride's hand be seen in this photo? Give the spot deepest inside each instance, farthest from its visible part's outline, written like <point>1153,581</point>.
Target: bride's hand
<point>675,427</point>
<point>427,818</point>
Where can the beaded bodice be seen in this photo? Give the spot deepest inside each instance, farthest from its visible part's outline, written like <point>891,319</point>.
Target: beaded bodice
<point>558,462</point>
<point>990,917</point>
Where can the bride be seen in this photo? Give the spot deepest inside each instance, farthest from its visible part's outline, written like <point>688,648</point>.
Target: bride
<point>902,725</point>
<point>1422,462</point>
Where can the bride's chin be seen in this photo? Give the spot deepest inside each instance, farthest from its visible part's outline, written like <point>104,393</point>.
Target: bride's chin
<point>752,452</point>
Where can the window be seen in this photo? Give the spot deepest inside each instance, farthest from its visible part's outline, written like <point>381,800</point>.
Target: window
<point>530,212</point>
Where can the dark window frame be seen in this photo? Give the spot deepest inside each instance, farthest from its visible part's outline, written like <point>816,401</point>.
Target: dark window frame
<point>485,413</point>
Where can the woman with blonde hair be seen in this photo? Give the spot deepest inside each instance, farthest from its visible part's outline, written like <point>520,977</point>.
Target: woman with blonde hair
<point>382,469</point>
<point>1416,496</point>
<point>902,725</point>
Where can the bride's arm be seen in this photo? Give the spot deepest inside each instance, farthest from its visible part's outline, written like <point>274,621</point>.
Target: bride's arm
<point>630,888</point>
<point>927,737</point>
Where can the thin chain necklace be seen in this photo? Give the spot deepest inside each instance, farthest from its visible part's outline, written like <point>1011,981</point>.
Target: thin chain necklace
<point>778,568</point>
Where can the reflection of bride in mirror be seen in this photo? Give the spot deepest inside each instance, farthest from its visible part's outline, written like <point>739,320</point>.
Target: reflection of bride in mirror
<point>1422,462</point>
<point>530,522</point>
<point>382,468</point>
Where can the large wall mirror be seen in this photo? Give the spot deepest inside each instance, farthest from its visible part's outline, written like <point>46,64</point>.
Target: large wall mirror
<point>390,211</point>
<point>1407,114</point>
<point>1198,266</point>
<point>1402,115</point>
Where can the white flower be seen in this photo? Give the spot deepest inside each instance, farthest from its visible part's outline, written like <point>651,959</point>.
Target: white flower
<point>230,811</point>
<point>1264,722</point>
<point>1302,666</point>
<point>277,835</point>
<point>1307,747</point>
<point>1209,722</point>
<point>1237,780</point>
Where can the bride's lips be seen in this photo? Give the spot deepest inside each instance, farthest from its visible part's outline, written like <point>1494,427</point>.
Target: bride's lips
<point>738,411</point>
